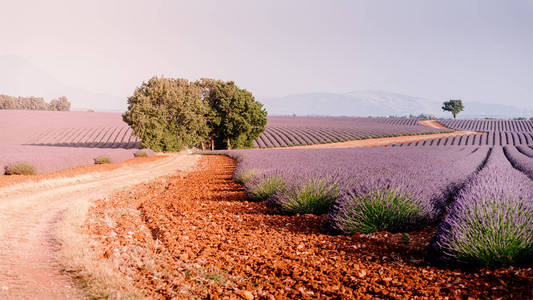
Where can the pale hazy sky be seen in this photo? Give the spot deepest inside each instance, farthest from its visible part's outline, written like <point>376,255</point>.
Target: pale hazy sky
<point>474,50</point>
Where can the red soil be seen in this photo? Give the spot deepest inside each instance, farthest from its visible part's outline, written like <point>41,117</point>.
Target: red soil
<point>195,235</point>
<point>432,123</point>
<point>380,141</point>
<point>15,179</point>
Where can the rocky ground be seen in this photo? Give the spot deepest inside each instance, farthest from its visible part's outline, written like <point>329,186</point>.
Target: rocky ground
<point>194,235</point>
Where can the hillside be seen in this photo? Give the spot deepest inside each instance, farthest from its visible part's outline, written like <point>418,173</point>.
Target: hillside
<point>378,103</point>
<point>19,77</point>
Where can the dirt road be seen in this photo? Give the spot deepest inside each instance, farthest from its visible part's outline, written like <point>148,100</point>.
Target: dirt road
<point>388,140</point>
<point>381,141</point>
<point>432,123</point>
<point>29,211</point>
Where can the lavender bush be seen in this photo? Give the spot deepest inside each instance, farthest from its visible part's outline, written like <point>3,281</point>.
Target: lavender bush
<point>140,154</point>
<point>378,210</point>
<point>305,196</point>
<point>526,150</point>
<point>261,189</point>
<point>491,222</point>
<point>20,168</point>
<point>102,159</point>
<point>359,173</point>
<point>243,176</point>
<point>520,161</point>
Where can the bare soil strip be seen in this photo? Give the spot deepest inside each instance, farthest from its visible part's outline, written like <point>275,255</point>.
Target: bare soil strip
<point>29,212</point>
<point>432,123</point>
<point>196,236</point>
<point>388,140</point>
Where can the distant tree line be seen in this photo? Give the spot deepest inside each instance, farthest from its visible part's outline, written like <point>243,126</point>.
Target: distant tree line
<point>34,103</point>
<point>170,114</point>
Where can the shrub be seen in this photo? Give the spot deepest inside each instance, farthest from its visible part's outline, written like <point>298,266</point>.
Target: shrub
<point>314,196</point>
<point>489,225</point>
<point>140,154</point>
<point>265,188</point>
<point>20,168</point>
<point>491,222</point>
<point>379,210</point>
<point>244,176</point>
<point>103,159</point>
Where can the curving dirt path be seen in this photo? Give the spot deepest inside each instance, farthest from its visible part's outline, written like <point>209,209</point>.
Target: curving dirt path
<point>388,140</point>
<point>432,123</point>
<point>382,141</point>
<point>29,211</point>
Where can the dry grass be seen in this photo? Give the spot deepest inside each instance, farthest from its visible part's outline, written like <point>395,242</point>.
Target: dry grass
<point>97,278</point>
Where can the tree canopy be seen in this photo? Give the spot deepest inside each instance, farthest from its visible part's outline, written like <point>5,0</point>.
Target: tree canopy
<point>34,103</point>
<point>167,114</point>
<point>171,114</point>
<point>453,106</point>
<point>235,118</point>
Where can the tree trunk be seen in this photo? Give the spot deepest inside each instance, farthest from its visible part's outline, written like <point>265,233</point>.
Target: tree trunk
<point>229,144</point>
<point>203,145</point>
<point>454,114</point>
<point>212,143</point>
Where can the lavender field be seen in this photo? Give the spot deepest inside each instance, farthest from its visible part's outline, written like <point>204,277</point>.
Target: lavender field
<point>295,131</point>
<point>53,141</point>
<point>489,125</point>
<point>490,133</point>
<point>490,138</point>
<point>401,189</point>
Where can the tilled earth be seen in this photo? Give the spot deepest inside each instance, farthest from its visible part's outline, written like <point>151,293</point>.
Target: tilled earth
<point>195,235</point>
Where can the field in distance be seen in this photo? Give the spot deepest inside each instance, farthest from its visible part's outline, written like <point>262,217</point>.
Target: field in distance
<point>52,141</point>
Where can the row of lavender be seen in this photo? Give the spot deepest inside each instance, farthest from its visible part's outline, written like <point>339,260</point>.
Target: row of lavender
<point>489,125</point>
<point>492,138</point>
<point>491,220</point>
<point>92,137</point>
<point>293,131</point>
<point>369,190</point>
<point>51,141</point>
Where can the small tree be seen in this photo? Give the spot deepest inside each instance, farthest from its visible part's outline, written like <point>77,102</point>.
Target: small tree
<point>167,114</point>
<point>453,106</point>
<point>59,104</point>
<point>235,118</point>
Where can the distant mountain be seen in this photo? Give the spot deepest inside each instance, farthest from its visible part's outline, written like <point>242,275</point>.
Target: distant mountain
<point>18,77</point>
<point>379,103</point>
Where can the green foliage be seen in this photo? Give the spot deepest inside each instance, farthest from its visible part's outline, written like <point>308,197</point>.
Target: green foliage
<point>103,159</point>
<point>33,103</point>
<point>316,196</point>
<point>170,114</point>
<point>265,189</point>
<point>244,176</point>
<point>59,104</point>
<point>140,154</point>
<point>235,118</point>
<point>493,238</point>
<point>453,106</point>
<point>167,114</point>
<point>20,168</point>
<point>381,210</point>
<point>406,240</point>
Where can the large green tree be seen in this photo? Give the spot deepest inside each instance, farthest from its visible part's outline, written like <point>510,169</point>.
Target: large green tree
<point>167,114</point>
<point>453,106</point>
<point>235,118</point>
